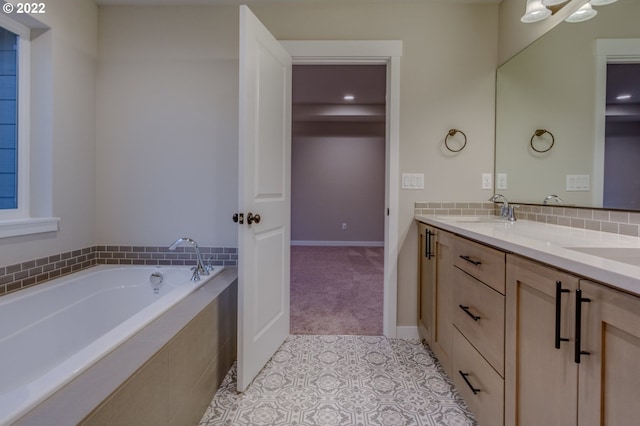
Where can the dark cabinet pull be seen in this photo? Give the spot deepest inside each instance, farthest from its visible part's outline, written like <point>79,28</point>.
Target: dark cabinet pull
<point>579,301</point>
<point>470,260</point>
<point>428,253</point>
<point>466,311</point>
<point>559,291</point>
<point>464,376</point>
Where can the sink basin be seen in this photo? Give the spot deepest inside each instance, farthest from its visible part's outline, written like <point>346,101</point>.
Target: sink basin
<point>471,219</point>
<point>630,256</point>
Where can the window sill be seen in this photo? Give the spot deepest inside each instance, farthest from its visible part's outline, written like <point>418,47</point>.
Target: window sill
<point>32,225</point>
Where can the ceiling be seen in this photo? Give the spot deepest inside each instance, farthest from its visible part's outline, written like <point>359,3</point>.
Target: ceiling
<point>249,2</point>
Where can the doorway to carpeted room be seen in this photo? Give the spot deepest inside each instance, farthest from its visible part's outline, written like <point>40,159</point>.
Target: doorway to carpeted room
<point>337,290</point>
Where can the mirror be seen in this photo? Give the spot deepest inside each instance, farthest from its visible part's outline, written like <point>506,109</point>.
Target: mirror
<point>558,84</point>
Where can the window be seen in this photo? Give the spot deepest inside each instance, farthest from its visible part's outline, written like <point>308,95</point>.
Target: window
<point>8,119</point>
<point>25,189</point>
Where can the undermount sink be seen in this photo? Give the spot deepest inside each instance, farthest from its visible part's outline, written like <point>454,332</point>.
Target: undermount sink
<point>471,219</point>
<point>629,256</point>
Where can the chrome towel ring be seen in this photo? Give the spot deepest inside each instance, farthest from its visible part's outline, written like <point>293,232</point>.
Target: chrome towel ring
<point>453,132</point>
<point>540,133</point>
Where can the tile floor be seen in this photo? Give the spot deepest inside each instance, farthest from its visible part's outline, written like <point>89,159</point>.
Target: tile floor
<point>343,380</point>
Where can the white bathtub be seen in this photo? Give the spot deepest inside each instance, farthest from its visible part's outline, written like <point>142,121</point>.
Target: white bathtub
<point>52,332</point>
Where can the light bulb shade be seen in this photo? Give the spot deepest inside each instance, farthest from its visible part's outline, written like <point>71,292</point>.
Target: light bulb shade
<point>585,13</point>
<point>535,12</point>
<point>601,2</point>
<point>556,2</point>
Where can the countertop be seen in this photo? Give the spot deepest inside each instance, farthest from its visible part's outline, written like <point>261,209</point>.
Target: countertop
<point>550,244</point>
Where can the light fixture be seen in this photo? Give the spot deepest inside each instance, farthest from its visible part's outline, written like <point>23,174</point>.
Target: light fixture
<point>535,12</point>
<point>585,13</point>
<point>349,97</point>
<point>623,97</point>
<point>601,2</point>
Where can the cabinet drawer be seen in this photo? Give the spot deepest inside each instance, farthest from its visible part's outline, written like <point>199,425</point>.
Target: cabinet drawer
<point>484,263</point>
<point>487,403</point>
<point>479,315</point>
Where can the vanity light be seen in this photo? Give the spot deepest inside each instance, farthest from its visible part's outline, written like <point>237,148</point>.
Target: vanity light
<point>585,13</point>
<point>555,2</point>
<point>349,97</point>
<point>535,12</point>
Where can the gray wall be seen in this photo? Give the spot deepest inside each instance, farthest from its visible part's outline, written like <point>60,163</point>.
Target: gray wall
<point>335,180</point>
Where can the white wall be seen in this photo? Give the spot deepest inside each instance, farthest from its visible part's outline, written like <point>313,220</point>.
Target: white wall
<point>70,127</point>
<point>167,125</point>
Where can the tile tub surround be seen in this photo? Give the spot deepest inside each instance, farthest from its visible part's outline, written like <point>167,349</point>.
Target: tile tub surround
<point>36,271</point>
<point>612,221</point>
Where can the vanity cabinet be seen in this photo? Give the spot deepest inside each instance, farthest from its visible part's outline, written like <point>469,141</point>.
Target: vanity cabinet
<point>478,352</point>
<point>572,348</point>
<point>436,292</point>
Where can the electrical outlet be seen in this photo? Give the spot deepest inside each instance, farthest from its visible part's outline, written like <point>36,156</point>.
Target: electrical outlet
<point>344,226</point>
<point>501,182</point>
<point>487,181</point>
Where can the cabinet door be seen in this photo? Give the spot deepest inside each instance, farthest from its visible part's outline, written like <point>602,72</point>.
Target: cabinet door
<point>541,381</point>
<point>427,278</point>
<point>609,374</point>
<point>442,339</point>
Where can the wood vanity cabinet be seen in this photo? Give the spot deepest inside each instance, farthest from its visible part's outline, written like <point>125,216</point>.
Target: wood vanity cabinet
<point>478,318</point>
<point>435,292</point>
<point>572,349</point>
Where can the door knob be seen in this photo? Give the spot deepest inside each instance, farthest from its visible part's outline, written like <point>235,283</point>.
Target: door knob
<point>251,218</point>
<point>238,218</point>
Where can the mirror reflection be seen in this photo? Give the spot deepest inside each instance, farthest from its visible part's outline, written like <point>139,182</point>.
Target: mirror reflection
<point>576,90</point>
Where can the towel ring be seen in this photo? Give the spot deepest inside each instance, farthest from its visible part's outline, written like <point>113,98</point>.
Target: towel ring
<point>453,132</point>
<point>539,133</point>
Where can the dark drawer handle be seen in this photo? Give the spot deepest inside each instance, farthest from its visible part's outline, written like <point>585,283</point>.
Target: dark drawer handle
<point>470,260</point>
<point>464,376</point>
<point>466,311</point>
<point>579,301</point>
<point>559,291</point>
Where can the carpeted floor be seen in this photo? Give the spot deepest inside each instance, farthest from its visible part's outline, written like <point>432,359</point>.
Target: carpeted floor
<point>343,380</point>
<point>337,290</point>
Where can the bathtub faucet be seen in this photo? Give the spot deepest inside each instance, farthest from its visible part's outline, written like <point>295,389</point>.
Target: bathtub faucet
<point>199,269</point>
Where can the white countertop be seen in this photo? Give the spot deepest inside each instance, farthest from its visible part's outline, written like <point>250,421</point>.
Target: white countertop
<point>549,244</point>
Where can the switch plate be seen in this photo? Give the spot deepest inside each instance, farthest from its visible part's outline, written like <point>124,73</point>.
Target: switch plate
<point>487,181</point>
<point>413,181</point>
<point>501,181</point>
<point>578,183</point>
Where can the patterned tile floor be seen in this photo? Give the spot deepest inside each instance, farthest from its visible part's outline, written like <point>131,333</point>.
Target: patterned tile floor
<point>343,380</point>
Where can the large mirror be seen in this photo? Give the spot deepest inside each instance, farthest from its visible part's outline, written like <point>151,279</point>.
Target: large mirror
<point>590,154</point>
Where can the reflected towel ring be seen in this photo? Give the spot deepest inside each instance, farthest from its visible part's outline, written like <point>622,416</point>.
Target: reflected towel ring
<point>539,133</point>
<point>453,132</point>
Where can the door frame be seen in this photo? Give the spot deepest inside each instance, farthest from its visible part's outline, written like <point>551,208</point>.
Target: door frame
<point>389,52</point>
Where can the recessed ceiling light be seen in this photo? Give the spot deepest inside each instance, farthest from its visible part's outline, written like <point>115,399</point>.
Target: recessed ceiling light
<point>349,97</point>
<point>622,97</point>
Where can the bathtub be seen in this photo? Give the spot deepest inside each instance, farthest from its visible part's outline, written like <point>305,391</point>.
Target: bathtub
<point>51,333</point>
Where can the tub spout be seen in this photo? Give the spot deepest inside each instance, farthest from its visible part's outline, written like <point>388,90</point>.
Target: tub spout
<point>199,269</point>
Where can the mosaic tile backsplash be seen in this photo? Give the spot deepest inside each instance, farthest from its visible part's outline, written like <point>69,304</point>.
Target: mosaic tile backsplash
<point>617,222</point>
<point>25,274</point>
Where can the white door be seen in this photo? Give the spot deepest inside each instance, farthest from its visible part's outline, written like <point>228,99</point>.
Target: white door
<point>265,181</point>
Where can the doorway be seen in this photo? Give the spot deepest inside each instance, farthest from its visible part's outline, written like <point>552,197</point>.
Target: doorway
<point>338,198</point>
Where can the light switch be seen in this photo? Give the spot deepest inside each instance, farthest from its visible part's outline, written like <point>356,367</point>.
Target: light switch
<point>487,181</point>
<point>578,183</point>
<point>501,181</point>
<point>412,181</point>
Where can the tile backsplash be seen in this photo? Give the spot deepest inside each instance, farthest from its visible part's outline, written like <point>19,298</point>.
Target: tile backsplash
<point>25,274</point>
<point>614,221</point>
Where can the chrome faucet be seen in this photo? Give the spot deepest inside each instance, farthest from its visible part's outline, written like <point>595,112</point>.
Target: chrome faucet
<point>199,269</point>
<point>552,197</point>
<point>507,211</point>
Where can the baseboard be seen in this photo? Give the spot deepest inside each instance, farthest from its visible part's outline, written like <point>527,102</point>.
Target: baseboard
<point>407,332</point>
<point>338,243</point>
